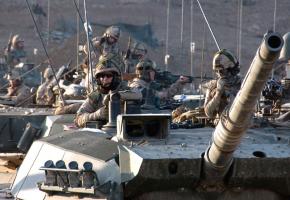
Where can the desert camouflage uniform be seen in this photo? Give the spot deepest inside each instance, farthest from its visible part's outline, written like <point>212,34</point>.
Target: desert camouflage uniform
<point>215,104</point>
<point>219,93</point>
<point>92,109</point>
<point>136,54</point>
<point>44,94</point>
<point>144,83</point>
<point>105,48</point>
<point>96,105</point>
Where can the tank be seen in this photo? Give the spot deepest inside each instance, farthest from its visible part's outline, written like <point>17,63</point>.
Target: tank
<point>144,159</point>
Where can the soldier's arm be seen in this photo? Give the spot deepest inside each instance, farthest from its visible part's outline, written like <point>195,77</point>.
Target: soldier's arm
<point>174,89</point>
<point>212,103</point>
<point>40,94</point>
<point>98,41</point>
<point>88,112</point>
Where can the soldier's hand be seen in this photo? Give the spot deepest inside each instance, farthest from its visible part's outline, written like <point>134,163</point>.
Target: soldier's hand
<point>221,85</point>
<point>183,79</point>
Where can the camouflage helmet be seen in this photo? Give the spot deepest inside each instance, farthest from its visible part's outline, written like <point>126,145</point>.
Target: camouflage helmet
<point>144,67</point>
<point>16,39</point>
<point>113,31</point>
<point>224,59</point>
<point>106,64</point>
<point>138,48</point>
<point>48,73</point>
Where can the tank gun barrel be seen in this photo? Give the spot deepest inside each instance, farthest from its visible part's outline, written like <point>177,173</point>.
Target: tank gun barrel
<point>235,121</point>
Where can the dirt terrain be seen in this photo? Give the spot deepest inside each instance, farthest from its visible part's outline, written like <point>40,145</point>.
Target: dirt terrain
<point>61,16</point>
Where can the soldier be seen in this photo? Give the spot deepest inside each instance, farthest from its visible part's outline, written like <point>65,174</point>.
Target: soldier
<point>222,91</point>
<point>18,92</point>
<point>133,56</point>
<point>144,82</point>
<point>108,76</point>
<point>219,92</point>
<point>108,43</point>
<point>16,54</point>
<point>44,94</point>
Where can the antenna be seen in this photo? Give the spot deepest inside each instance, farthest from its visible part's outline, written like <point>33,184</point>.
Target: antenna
<point>88,34</point>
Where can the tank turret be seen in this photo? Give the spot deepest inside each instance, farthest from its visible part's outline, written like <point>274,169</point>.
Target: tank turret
<point>235,121</point>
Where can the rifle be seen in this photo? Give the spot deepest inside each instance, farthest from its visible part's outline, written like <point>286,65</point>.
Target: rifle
<point>88,31</point>
<point>61,73</point>
<point>9,43</point>
<point>128,52</point>
<point>128,76</point>
<point>165,79</point>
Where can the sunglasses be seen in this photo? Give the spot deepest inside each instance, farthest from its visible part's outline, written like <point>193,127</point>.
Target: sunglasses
<point>104,75</point>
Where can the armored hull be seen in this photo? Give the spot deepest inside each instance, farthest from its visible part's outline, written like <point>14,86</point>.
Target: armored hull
<point>165,168</point>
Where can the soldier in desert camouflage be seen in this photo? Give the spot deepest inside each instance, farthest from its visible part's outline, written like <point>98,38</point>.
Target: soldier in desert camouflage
<point>18,93</point>
<point>15,52</point>
<point>108,43</point>
<point>145,71</point>
<point>219,92</point>
<point>133,56</point>
<point>44,94</point>
<point>108,77</point>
